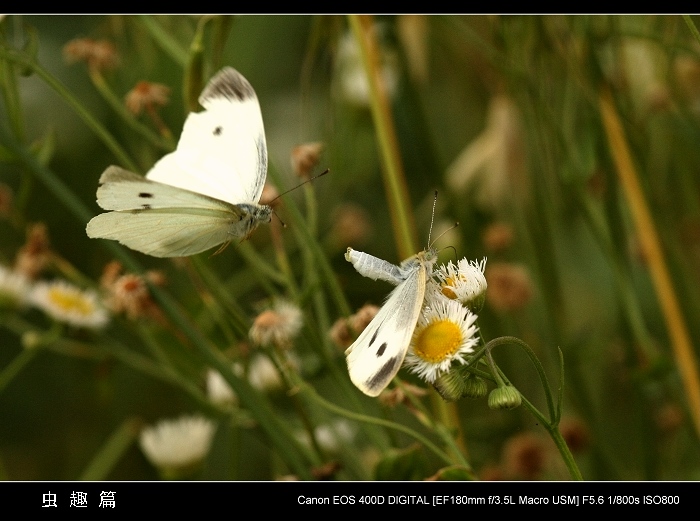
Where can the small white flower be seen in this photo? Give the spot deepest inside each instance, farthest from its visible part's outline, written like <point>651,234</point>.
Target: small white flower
<point>464,282</point>
<point>218,389</point>
<point>263,375</point>
<point>352,77</point>
<point>14,288</point>
<point>177,444</point>
<point>67,303</point>
<point>278,325</point>
<point>332,437</point>
<point>445,333</point>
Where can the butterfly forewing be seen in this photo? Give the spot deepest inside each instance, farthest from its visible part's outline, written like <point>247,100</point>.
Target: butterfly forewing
<point>122,190</point>
<point>377,354</point>
<point>226,140</point>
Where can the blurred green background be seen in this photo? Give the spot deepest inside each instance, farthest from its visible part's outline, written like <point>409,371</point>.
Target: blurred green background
<point>500,114</point>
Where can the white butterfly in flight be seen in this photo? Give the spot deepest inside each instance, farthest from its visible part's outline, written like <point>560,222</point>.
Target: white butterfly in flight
<point>378,353</point>
<point>203,194</point>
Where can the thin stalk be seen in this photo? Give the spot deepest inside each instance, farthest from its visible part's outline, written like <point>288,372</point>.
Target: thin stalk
<point>163,39</point>
<point>646,230</point>
<point>12,369</point>
<point>118,106</point>
<point>691,25</point>
<point>112,451</point>
<point>393,172</point>
<point>311,393</point>
<point>92,123</point>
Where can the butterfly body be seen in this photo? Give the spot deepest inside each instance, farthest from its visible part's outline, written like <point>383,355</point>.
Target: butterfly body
<point>377,354</point>
<point>203,194</point>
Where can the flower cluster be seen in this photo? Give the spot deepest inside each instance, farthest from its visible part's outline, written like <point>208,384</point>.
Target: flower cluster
<point>444,334</point>
<point>446,329</point>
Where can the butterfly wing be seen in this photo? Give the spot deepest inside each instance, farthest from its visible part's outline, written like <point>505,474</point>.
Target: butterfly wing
<point>375,268</point>
<point>122,190</point>
<point>222,151</point>
<point>162,220</point>
<point>164,232</point>
<point>377,354</point>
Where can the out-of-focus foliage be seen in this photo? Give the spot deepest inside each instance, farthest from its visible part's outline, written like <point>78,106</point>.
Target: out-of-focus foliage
<point>500,114</point>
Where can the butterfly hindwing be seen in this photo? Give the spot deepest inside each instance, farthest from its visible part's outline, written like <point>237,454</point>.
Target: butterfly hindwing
<point>162,233</point>
<point>377,354</point>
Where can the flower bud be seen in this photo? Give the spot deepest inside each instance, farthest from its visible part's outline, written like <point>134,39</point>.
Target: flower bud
<point>506,397</point>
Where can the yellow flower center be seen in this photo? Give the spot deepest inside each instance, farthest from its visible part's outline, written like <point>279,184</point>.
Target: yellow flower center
<point>438,340</point>
<point>70,302</point>
<point>450,282</point>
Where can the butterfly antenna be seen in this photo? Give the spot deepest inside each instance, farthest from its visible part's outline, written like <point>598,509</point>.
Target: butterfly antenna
<point>448,247</point>
<point>278,217</point>
<point>432,219</point>
<point>269,203</point>
<point>443,233</point>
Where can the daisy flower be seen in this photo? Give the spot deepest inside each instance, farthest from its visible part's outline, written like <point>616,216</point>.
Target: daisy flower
<point>67,303</point>
<point>14,288</point>
<point>464,282</point>
<point>179,444</point>
<point>445,333</point>
<point>278,325</point>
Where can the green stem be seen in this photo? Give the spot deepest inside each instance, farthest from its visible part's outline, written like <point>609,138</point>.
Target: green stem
<point>551,424</point>
<point>114,449</point>
<point>94,125</point>
<point>535,361</point>
<point>167,43</point>
<point>15,366</point>
<point>393,173</point>
<point>691,25</point>
<point>118,106</point>
<point>307,389</point>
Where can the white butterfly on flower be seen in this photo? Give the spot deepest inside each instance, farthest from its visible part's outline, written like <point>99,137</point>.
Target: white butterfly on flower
<point>377,354</point>
<point>205,193</point>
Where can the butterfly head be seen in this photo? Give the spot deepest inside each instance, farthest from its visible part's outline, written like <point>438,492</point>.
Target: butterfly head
<point>252,215</point>
<point>261,213</point>
<point>428,257</point>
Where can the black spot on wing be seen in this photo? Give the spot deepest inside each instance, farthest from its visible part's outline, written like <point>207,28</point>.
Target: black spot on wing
<point>218,131</point>
<point>381,350</point>
<point>145,195</point>
<point>374,337</point>
<point>380,377</point>
<point>230,84</point>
